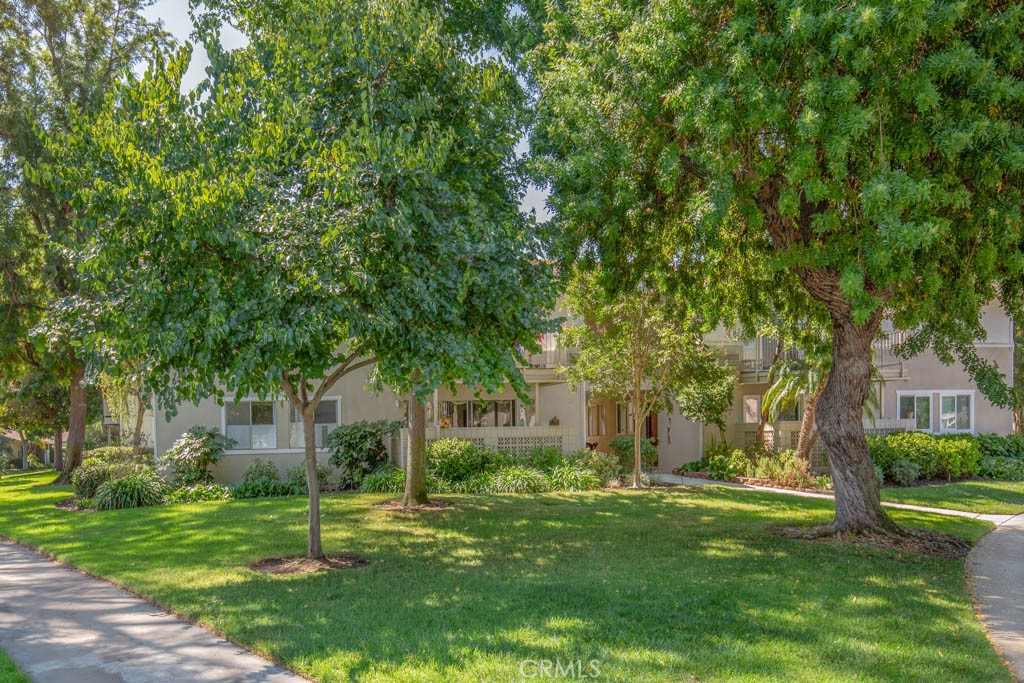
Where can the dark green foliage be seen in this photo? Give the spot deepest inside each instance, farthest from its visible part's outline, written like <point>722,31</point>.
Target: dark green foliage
<point>622,447</point>
<point>5,464</point>
<point>518,479</point>
<point>360,448</point>
<point>573,477</point>
<point>1009,446</point>
<point>261,470</point>
<point>266,489</point>
<point>543,458</point>
<point>456,460</point>
<point>1010,469</point>
<point>386,479</point>
<point>139,487</point>
<point>92,473</point>
<point>197,493</point>
<point>34,463</point>
<point>297,476</point>
<point>903,472</point>
<point>191,455</point>
<point>944,456</point>
<point>605,466</point>
<point>118,454</point>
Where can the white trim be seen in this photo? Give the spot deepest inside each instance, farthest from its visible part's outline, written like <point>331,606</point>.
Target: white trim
<point>954,393</point>
<point>249,399</point>
<point>935,408</point>
<point>930,393</point>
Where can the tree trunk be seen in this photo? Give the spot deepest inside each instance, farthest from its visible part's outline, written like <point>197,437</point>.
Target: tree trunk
<point>804,442</point>
<point>637,459</point>
<point>840,423</point>
<point>23,440</point>
<point>139,417</point>
<point>416,456</point>
<point>76,425</point>
<point>58,448</point>
<point>762,426</point>
<point>314,547</point>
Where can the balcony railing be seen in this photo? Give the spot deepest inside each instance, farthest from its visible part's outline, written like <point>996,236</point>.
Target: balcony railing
<point>756,356</point>
<point>513,439</point>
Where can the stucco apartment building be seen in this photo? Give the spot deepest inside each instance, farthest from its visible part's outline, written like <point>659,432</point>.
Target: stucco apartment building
<point>919,393</point>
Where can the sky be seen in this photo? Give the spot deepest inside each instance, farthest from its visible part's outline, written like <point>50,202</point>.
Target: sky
<point>174,14</point>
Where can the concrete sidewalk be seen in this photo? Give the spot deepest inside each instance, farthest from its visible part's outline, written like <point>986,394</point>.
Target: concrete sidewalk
<point>61,626</point>
<point>996,565</point>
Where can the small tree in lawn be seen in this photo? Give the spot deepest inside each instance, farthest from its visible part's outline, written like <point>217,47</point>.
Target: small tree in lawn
<point>338,194</point>
<point>869,150</point>
<point>644,348</point>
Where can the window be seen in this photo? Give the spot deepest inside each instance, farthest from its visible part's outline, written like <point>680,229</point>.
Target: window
<point>597,420</point>
<point>955,413</point>
<point>917,407</point>
<point>494,413</point>
<point>624,418</point>
<point>251,424</point>
<point>751,410</point>
<point>454,413</point>
<point>325,419</point>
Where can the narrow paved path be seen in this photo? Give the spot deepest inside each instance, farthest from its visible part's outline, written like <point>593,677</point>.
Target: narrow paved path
<point>996,566</point>
<point>61,626</point>
<point>997,570</point>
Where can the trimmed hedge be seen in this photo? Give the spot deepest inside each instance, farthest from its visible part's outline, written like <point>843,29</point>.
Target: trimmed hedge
<point>944,456</point>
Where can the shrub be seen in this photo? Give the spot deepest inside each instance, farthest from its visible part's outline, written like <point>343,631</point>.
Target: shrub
<point>456,460</point>
<point>718,466</point>
<point>359,448</point>
<point>904,472</point>
<point>112,454</point>
<point>622,447</point>
<point>879,475</point>
<point>85,503</point>
<point>265,489</point>
<point>5,464</point>
<point>197,493</point>
<point>191,455</point>
<point>481,482</point>
<point>935,456</point>
<point>34,463</point>
<point>994,445</point>
<point>297,476</point>
<point>605,466</point>
<point>573,477</point>
<point>518,479</point>
<point>261,471</point>
<point>92,473</point>
<point>543,458</point>
<point>997,467</point>
<point>385,479</point>
<point>139,487</point>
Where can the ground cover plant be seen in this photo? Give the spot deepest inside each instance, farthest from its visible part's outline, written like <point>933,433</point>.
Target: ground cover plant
<point>657,585</point>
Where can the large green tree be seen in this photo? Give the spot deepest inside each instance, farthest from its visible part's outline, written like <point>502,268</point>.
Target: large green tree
<point>643,347</point>
<point>58,59</point>
<point>342,192</point>
<point>872,150</point>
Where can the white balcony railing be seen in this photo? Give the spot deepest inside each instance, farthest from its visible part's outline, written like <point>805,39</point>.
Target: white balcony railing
<point>512,439</point>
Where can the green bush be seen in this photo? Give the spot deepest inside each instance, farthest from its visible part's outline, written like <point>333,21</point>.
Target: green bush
<point>605,466</point>
<point>265,489</point>
<point>116,454</point>
<point>999,467</point>
<point>5,464</point>
<point>34,463</point>
<point>385,479</point>
<point>622,448</point>
<point>261,471</point>
<point>950,456</point>
<point>92,473</point>
<point>543,458</point>
<point>140,487</point>
<point>197,493</point>
<point>879,475</point>
<point>994,445</point>
<point>297,476</point>
<point>359,448</point>
<point>904,472</point>
<point>190,457</point>
<point>456,460</point>
<point>518,479</point>
<point>573,477</point>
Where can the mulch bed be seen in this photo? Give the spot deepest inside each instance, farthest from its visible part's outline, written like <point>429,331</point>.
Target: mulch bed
<point>307,565</point>
<point>396,505</point>
<point>68,505</point>
<point>905,540</point>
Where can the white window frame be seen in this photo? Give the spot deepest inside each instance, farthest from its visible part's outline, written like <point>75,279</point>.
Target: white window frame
<point>336,400</point>
<point>930,394</point>
<point>249,399</point>
<point>954,393</point>
<point>759,400</point>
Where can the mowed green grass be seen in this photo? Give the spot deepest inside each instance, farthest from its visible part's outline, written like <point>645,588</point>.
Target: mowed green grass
<point>9,671</point>
<point>981,496</point>
<point>656,585</point>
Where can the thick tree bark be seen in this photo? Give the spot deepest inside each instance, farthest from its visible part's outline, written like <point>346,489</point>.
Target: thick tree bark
<point>58,448</point>
<point>314,546</point>
<point>416,456</point>
<point>805,441</point>
<point>840,423</point>
<point>76,425</point>
<point>24,450</point>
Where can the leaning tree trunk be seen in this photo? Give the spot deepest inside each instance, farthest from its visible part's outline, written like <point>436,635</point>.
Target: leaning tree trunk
<point>841,427</point>
<point>58,448</point>
<point>805,441</point>
<point>416,456</point>
<point>314,547</point>
<point>76,425</point>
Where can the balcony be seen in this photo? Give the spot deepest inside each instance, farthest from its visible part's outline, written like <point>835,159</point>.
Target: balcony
<point>755,356</point>
<point>512,439</point>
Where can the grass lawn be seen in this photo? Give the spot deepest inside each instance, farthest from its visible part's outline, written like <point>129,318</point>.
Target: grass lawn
<point>658,585</point>
<point>981,496</point>
<point>9,671</point>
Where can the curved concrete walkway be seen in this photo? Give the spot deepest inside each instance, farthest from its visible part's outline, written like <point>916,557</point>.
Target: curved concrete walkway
<point>60,625</point>
<point>996,565</point>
